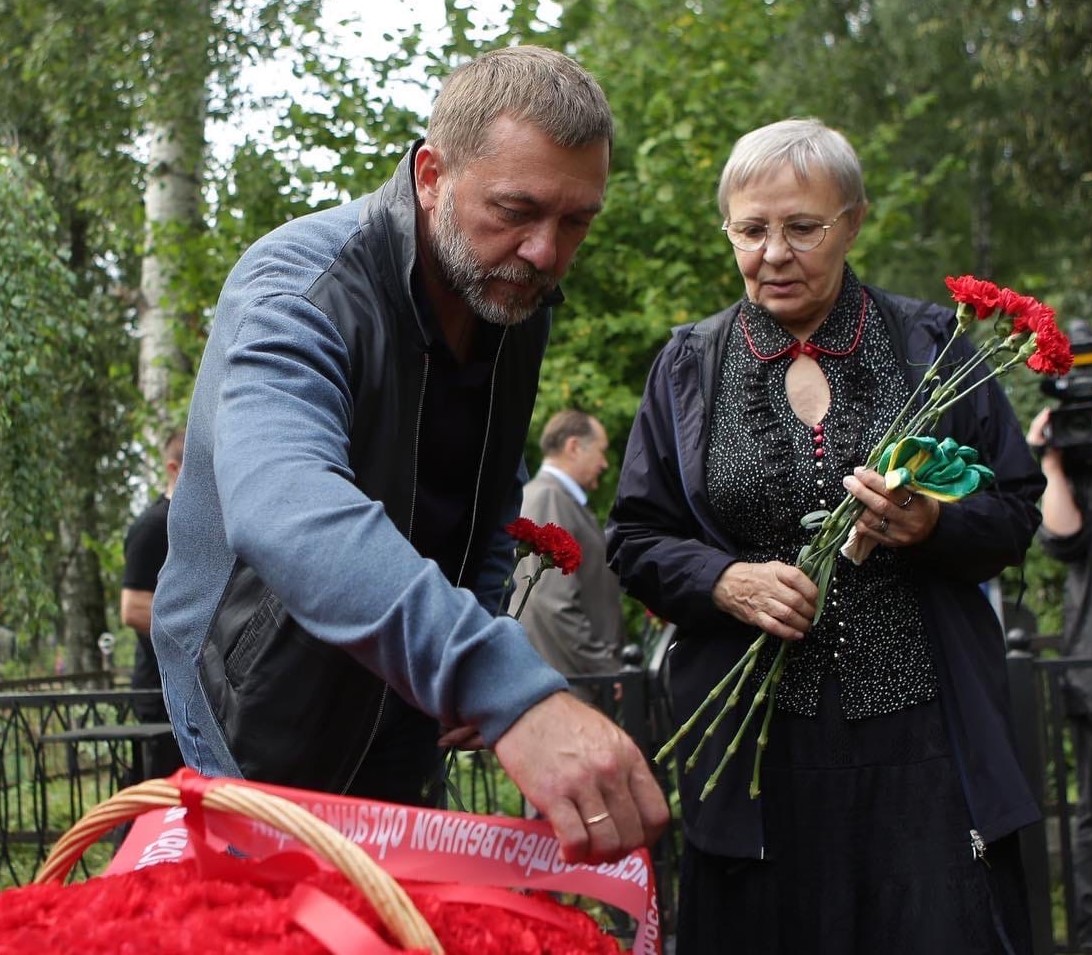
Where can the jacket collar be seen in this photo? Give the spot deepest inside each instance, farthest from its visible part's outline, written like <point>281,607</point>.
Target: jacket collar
<point>838,335</point>
<point>577,493</point>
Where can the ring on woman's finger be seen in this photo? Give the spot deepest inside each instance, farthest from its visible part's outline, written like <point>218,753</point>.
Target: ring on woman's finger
<point>882,528</point>
<point>909,499</point>
<point>598,817</point>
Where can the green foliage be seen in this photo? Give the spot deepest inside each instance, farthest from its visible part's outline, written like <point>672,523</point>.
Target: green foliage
<point>681,85</point>
<point>79,84</point>
<point>45,362</point>
<point>963,114</point>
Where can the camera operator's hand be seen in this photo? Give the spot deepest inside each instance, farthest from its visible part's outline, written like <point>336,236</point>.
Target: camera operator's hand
<point>1039,433</point>
<point>1061,515</point>
<point>1042,447</point>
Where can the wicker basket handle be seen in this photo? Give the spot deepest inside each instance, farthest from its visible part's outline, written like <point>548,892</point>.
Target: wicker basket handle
<point>390,901</point>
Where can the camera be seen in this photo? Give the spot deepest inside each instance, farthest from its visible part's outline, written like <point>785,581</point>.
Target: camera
<point>1070,427</point>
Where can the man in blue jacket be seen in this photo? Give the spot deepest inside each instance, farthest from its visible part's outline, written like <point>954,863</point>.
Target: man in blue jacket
<point>337,554</point>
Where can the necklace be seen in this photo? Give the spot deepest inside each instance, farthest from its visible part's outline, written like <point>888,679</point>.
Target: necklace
<point>798,348</point>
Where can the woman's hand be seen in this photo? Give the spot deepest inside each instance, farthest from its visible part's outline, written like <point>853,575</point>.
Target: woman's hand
<point>895,518</point>
<point>775,597</point>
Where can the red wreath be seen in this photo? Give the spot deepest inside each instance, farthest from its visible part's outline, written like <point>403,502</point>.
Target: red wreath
<point>171,910</point>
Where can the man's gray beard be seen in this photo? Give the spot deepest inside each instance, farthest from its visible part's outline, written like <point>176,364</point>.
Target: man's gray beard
<point>464,274</point>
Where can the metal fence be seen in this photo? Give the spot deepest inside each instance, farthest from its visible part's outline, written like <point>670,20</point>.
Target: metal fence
<point>1043,737</point>
<point>47,779</point>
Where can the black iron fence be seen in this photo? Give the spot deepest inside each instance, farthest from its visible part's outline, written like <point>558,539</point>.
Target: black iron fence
<point>1044,738</point>
<point>49,775</point>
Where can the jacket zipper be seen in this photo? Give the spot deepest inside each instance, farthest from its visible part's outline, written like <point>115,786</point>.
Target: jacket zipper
<point>371,739</point>
<point>481,460</point>
<point>417,447</point>
<point>413,512</point>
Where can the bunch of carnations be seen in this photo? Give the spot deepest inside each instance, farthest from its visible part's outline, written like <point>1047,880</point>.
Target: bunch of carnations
<point>554,546</point>
<point>1024,331</point>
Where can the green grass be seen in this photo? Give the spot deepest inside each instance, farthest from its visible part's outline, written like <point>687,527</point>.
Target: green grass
<point>25,858</point>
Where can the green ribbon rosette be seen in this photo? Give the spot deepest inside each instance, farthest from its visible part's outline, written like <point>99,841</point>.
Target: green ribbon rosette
<point>945,470</point>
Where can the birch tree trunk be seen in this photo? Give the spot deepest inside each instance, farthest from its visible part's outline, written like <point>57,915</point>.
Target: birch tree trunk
<point>175,111</point>
<point>174,117</point>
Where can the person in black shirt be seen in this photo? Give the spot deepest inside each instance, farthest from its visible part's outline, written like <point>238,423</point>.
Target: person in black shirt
<point>145,552</point>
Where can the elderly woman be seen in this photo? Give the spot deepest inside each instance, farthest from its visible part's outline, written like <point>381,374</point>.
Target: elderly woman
<point>890,791</point>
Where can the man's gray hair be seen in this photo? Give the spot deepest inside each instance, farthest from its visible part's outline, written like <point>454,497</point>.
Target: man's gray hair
<point>527,83</point>
<point>570,423</point>
<point>808,145</point>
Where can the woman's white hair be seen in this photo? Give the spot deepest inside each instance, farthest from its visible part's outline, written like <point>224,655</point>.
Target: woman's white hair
<point>808,145</point>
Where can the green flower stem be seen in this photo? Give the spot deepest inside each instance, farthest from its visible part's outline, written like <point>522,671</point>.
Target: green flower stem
<point>729,704</point>
<point>714,694</point>
<point>764,733</point>
<point>450,762</point>
<point>929,376</point>
<point>763,689</point>
<point>995,373</point>
<point>949,391</point>
<point>544,564</point>
<point>949,394</point>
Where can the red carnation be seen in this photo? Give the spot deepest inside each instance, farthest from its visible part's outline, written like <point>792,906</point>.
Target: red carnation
<point>560,546</point>
<point>524,530</point>
<point>983,295</point>
<point>173,910</point>
<point>1053,355</point>
<point>1036,315</point>
<point>1014,304</point>
<point>555,545</point>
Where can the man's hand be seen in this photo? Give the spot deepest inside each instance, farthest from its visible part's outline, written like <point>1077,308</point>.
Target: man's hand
<point>586,776</point>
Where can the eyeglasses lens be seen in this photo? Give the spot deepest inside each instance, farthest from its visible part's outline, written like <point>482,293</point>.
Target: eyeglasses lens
<point>802,235</point>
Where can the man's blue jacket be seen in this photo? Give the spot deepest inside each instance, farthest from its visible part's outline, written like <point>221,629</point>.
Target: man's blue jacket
<point>293,595</point>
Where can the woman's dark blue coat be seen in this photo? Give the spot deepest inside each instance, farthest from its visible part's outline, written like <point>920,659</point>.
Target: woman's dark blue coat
<point>665,544</point>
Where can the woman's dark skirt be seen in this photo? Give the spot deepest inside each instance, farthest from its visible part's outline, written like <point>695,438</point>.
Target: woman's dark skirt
<point>868,851</point>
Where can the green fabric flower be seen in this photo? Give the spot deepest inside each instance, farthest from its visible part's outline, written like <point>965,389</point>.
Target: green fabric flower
<point>944,470</point>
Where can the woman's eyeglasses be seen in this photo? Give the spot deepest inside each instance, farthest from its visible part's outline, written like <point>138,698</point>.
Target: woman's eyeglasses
<point>801,235</point>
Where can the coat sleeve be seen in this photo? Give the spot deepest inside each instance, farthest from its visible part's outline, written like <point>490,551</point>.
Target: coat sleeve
<point>655,542</point>
<point>291,512</point>
<point>1070,549</point>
